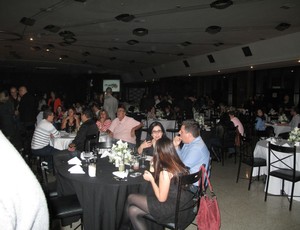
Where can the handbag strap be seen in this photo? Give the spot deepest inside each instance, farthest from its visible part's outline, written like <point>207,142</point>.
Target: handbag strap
<point>205,175</point>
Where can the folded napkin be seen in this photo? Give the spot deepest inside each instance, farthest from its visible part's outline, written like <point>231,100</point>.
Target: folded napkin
<point>105,154</point>
<point>76,169</point>
<point>74,161</point>
<point>120,174</point>
<point>286,145</point>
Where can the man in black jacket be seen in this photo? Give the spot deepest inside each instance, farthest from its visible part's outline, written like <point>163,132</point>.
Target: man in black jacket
<point>87,128</point>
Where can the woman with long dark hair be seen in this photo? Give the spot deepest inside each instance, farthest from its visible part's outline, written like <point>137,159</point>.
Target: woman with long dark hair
<point>161,202</point>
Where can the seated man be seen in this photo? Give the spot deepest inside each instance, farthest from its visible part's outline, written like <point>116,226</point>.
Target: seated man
<point>44,131</point>
<point>87,128</point>
<point>124,127</point>
<point>194,152</point>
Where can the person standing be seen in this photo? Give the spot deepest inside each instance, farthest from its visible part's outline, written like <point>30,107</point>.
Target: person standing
<point>27,113</point>
<point>54,102</point>
<point>110,104</point>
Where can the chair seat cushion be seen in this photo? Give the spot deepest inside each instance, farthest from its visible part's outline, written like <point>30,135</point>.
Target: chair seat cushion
<point>286,174</point>
<point>65,206</point>
<point>255,162</point>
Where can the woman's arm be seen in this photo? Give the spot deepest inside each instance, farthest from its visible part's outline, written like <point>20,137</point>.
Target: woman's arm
<point>64,123</point>
<point>162,190</point>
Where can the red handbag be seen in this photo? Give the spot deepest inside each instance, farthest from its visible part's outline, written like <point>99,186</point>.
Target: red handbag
<point>208,216</point>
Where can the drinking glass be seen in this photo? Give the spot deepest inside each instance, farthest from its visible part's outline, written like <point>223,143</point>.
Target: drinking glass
<point>86,156</point>
<point>143,160</point>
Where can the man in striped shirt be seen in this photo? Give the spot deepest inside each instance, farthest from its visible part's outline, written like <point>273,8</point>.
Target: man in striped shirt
<point>44,131</point>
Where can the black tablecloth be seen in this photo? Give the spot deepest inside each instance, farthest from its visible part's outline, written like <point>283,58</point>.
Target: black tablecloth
<point>102,197</point>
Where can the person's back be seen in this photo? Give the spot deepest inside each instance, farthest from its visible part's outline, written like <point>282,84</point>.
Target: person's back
<point>22,201</point>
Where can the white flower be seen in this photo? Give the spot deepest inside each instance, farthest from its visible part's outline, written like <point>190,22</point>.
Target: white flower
<point>283,118</point>
<point>294,135</point>
<point>120,152</point>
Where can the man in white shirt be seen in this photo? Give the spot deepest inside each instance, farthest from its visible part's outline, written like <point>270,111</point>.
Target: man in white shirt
<point>44,131</point>
<point>110,104</point>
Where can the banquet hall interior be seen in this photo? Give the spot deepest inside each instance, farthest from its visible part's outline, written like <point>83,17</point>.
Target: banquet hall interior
<point>194,55</point>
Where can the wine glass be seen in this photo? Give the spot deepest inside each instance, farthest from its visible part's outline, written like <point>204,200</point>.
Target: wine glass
<point>86,156</point>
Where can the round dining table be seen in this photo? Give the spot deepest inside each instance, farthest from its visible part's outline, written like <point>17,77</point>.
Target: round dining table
<point>102,197</point>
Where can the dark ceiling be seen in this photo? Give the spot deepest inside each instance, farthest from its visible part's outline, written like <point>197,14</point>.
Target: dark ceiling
<point>131,36</point>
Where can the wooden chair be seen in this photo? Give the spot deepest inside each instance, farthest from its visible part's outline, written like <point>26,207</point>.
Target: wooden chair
<point>185,181</point>
<point>246,157</point>
<point>279,166</point>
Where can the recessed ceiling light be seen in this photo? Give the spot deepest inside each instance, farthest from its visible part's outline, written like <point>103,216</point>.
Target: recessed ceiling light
<point>125,17</point>
<point>31,39</point>
<point>132,42</point>
<point>221,4</point>
<point>282,26</point>
<point>140,31</point>
<point>213,29</point>
<point>251,67</point>
<point>219,71</point>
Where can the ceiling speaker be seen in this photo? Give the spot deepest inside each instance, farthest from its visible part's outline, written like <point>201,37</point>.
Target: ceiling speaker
<point>247,51</point>
<point>211,58</point>
<point>186,64</point>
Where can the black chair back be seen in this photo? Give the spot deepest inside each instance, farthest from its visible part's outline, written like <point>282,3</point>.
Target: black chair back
<point>89,141</point>
<point>184,183</point>
<point>282,164</point>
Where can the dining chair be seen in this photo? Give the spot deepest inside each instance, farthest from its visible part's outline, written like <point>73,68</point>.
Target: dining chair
<point>282,164</point>
<point>184,183</point>
<point>65,208</point>
<point>246,157</point>
<point>173,130</point>
<point>89,141</point>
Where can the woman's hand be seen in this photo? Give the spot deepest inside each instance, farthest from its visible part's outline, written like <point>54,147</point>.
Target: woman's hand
<point>148,176</point>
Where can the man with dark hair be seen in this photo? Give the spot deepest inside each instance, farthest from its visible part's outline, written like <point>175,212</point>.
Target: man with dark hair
<point>44,131</point>
<point>87,128</point>
<point>194,152</point>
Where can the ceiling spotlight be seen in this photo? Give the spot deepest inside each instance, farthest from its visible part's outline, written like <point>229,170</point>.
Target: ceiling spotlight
<point>213,29</point>
<point>132,42</point>
<point>31,39</point>
<point>221,4</point>
<point>140,31</point>
<point>27,21</point>
<point>251,67</point>
<point>52,28</point>
<point>125,17</point>
<point>282,26</point>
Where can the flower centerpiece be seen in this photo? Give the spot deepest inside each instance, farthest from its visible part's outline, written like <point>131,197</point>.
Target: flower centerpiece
<point>294,135</point>
<point>159,113</point>
<point>283,119</point>
<point>120,152</point>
